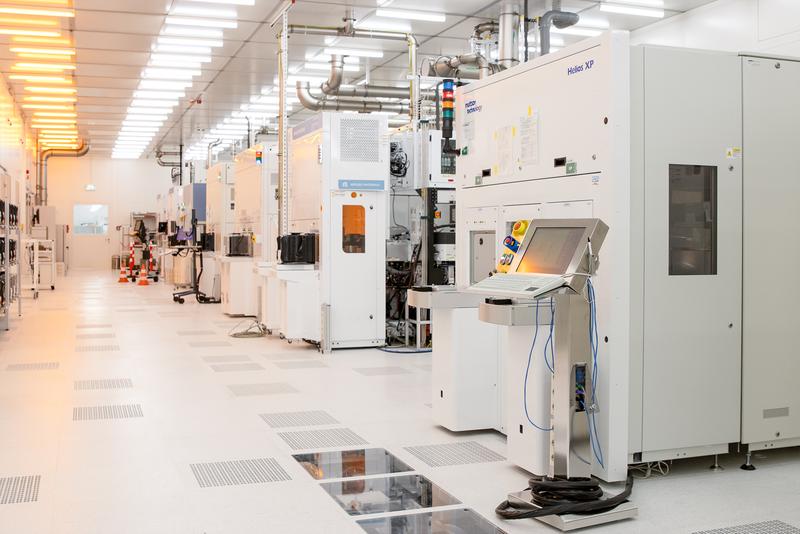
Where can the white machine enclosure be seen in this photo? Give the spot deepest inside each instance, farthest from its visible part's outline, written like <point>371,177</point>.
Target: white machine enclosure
<point>338,181</point>
<point>219,222</point>
<point>571,135</point>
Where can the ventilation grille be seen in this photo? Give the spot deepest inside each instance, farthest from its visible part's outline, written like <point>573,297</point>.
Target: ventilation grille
<point>196,333</point>
<point>38,366</point>
<point>15,490</point>
<point>766,527</point>
<point>381,371</point>
<point>312,364</point>
<point>236,367</point>
<point>201,344</point>
<point>112,411</point>
<point>238,472</point>
<point>104,383</point>
<point>318,439</point>
<point>227,358</point>
<point>249,390</point>
<point>96,348</point>
<point>95,336</point>
<point>465,452</point>
<point>290,419</point>
<point>93,325</point>
<point>359,140</point>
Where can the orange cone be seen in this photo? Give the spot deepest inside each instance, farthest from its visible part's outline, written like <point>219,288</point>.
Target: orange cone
<point>123,276</point>
<point>142,276</point>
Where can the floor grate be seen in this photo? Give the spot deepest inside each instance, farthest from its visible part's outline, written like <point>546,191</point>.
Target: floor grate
<point>465,452</point>
<point>270,388</point>
<point>381,371</point>
<point>316,439</point>
<point>37,366</point>
<point>201,344</point>
<point>93,325</point>
<point>238,472</point>
<point>196,333</point>
<point>111,411</point>
<point>96,336</point>
<point>15,490</point>
<point>236,367</point>
<point>313,364</point>
<point>96,348</point>
<point>228,358</point>
<point>765,527</point>
<point>290,419</point>
<point>104,383</point>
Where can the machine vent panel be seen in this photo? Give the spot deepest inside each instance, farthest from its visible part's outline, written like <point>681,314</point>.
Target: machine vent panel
<point>272,388</point>
<point>360,140</point>
<point>103,383</point>
<point>465,452</point>
<point>93,325</point>
<point>769,413</point>
<point>196,333</point>
<point>320,439</point>
<point>228,358</point>
<point>302,364</point>
<point>291,419</point>
<point>111,411</point>
<point>37,366</point>
<point>108,335</point>
<point>96,348</point>
<point>765,527</point>
<point>238,472</point>
<point>15,490</point>
<point>234,367</point>
<point>206,344</point>
<point>381,371</point>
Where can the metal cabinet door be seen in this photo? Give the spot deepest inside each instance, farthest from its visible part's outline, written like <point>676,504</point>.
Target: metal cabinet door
<point>770,367</point>
<point>692,251</point>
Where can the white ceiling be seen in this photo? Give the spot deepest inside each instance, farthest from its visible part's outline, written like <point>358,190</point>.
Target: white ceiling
<point>113,39</point>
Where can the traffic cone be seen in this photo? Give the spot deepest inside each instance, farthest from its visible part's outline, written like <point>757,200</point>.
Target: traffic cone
<point>123,276</point>
<point>142,276</point>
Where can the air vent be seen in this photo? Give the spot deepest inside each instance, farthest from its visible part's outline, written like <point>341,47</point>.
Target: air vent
<point>112,411</point>
<point>103,383</point>
<point>38,366</point>
<point>16,490</point>
<point>238,472</point>
<point>293,419</point>
<point>359,139</point>
<point>765,527</point>
<point>320,439</point>
<point>462,453</point>
<point>96,348</point>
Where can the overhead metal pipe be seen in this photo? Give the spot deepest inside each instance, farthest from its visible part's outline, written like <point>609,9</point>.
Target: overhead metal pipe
<point>160,159</point>
<point>508,41</point>
<point>559,19</point>
<point>314,103</point>
<point>45,155</point>
<point>450,66</point>
<point>208,155</point>
<point>333,85</point>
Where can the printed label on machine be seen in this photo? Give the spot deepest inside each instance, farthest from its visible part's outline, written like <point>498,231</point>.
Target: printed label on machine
<point>362,185</point>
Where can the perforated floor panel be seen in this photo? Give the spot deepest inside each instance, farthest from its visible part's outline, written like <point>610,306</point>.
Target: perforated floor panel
<point>271,388</point>
<point>15,490</point>
<point>320,439</point>
<point>34,366</point>
<point>290,419</point>
<point>104,383</point>
<point>238,472</point>
<point>111,411</point>
<point>97,348</point>
<point>461,453</point>
<point>107,335</point>
<point>765,527</point>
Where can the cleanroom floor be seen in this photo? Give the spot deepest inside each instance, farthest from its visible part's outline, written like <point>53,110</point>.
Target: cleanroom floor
<point>127,392</point>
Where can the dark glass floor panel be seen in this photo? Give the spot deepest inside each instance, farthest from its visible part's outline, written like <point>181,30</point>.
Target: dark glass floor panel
<point>461,521</point>
<point>387,494</point>
<point>352,463</point>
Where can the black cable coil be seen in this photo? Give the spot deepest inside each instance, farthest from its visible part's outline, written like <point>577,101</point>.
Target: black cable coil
<point>556,496</point>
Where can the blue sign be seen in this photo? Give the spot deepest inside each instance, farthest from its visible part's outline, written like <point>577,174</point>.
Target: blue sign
<point>362,185</point>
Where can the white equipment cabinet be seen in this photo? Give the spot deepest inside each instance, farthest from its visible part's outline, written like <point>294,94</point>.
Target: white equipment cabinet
<point>646,139</point>
<point>239,286</point>
<point>219,221</point>
<point>339,174</point>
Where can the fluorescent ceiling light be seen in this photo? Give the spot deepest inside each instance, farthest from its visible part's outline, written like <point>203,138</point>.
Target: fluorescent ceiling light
<point>237,127</point>
<point>371,23</point>
<point>327,66</point>
<point>208,33</point>
<point>53,114</point>
<point>429,16</point>
<point>162,84</point>
<point>230,2</point>
<point>53,126</point>
<point>36,33</point>
<point>189,42</point>
<point>201,23</point>
<point>186,58</point>
<point>56,90</point>
<point>47,106</point>
<point>148,124</point>
<point>193,11</point>
<point>159,94</point>
<point>177,63</point>
<point>49,51</point>
<point>141,117</point>
<point>648,3</point>
<point>152,104</point>
<point>43,12</point>
<point>169,74</point>
<point>51,120</point>
<point>352,52</point>
<point>38,78</point>
<point>632,10</point>
<point>319,57</point>
<point>37,98</point>
<point>577,30</point>
<point>43,66</point>
<point>140,129</point>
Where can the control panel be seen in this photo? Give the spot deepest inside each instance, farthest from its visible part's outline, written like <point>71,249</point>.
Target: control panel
<point>511,245</point>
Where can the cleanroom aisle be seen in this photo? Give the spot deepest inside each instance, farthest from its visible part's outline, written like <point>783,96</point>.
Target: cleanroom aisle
<point>181,392</point>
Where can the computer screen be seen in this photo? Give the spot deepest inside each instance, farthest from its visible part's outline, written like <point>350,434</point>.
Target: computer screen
<point>550,250</point>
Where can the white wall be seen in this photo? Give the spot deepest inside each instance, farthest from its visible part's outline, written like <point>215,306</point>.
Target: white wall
<point>770,26</point>
<point>124,185</point>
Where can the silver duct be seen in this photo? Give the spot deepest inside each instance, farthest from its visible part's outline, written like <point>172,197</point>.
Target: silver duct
<point>450,67</point>
<point>333,86</point>
<point>44,155</point>
<point>160,159</point>
<point>508,42</point>
<point>314,103</point>
<point>559,19</point>
<point>208,154</point>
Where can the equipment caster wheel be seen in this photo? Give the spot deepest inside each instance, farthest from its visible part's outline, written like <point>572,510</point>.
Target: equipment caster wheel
<point>269,332</point>
<point>289,341</point>
<point>181,301</point>
<point>53,288</point>
<point>281,336</point>
<point>155,279</point>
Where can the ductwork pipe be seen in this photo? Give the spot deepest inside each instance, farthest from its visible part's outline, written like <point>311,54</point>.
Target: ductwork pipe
<point>210,146</point>
<point>449,67</point>
<point>333,86</point>
<point>314,103</point>
<point>160,159</point>
<point>508,42</point>
<point>44,155</point>
<point>559,19</point>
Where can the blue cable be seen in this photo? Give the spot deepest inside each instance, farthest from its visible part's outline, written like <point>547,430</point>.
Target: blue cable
<point>594,341</point>
<point>527,370</point>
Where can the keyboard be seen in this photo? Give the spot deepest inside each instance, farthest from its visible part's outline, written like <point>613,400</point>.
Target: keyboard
<point>514,282</point>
